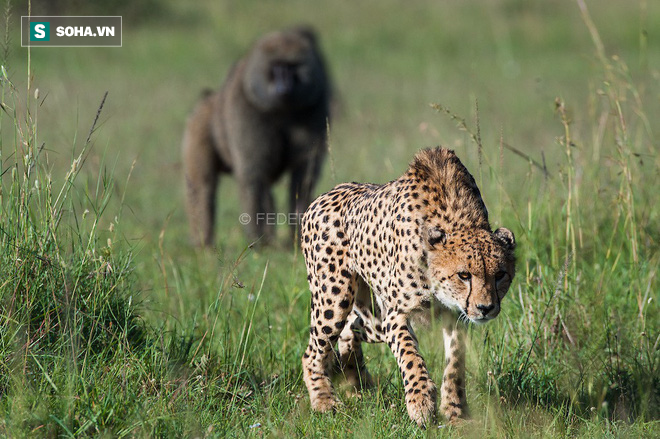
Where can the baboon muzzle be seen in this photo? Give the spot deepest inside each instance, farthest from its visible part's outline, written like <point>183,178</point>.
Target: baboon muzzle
<point>283,76</point>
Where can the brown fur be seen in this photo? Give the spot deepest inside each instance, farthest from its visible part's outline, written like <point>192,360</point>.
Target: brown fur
<point>378,254</point>
<point>269,117</point>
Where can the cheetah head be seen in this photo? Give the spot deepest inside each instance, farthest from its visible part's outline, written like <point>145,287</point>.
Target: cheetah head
<point>471,270</point>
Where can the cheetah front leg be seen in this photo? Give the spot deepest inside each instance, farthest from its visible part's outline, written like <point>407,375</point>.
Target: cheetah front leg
<point>453,403</point>
<point>420,390</point>
<point>330,307</point>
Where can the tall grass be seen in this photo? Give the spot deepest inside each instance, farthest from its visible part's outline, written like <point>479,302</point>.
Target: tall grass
<point>66,293</point>
<point>76,356</point>
<point>583,332</point>
<point>582,327</point>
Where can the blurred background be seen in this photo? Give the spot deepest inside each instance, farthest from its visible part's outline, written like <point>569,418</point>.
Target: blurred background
<point>509,59</point>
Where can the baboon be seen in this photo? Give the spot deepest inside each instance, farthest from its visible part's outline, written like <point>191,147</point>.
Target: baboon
<point>269,117</point>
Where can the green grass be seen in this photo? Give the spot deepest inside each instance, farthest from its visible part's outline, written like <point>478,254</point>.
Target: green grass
<point>112,325</point>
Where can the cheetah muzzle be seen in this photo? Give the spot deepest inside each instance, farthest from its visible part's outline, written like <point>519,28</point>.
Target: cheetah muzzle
<point>378,254</point>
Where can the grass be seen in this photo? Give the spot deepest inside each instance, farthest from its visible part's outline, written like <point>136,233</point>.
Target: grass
<point>111,325</point>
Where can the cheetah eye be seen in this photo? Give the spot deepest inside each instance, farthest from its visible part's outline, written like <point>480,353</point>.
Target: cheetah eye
<point>464,275</point>
<point>500,275</point>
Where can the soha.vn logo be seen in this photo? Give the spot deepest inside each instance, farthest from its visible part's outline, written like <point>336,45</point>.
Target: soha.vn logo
<point>40,31</point>
<point>71,31</point>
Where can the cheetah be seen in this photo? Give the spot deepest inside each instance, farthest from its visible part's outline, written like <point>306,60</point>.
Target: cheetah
<point>377,255</point>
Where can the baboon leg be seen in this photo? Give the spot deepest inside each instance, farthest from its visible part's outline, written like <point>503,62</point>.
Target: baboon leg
<point>299,198</point>
<point>257,202</point>
<point>303,180</point>
<point>200,166</point>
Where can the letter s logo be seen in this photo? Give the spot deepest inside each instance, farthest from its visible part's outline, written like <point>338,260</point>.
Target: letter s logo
<point>40,31</point>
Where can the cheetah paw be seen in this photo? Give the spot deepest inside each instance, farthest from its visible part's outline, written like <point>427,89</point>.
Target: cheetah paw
<point>421,409</point>
<point>324,403</point>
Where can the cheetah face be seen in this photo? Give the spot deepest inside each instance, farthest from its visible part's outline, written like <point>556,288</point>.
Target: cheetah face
<point>471,270</point>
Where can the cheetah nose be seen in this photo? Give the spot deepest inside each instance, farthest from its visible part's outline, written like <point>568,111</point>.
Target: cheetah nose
<point>485,309</point>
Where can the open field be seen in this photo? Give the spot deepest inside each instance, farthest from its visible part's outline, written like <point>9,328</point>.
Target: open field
<point>112,325</point>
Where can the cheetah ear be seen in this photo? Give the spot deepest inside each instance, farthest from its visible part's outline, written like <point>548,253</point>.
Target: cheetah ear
<point>437,235</point>
<point>506,236</point>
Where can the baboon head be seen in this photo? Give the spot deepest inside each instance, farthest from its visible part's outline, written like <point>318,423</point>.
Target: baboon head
<point>284,70</point>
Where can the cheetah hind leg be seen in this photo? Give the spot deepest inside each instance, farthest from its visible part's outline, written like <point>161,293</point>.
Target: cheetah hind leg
<point>350,363</point>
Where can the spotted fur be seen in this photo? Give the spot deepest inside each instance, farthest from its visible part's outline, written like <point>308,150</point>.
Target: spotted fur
<point>377,254</point>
